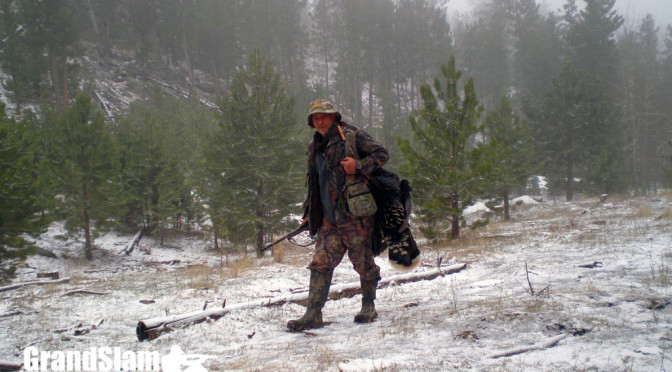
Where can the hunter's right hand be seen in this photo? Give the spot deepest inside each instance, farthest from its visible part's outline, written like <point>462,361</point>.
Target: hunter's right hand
<point>304,222</point>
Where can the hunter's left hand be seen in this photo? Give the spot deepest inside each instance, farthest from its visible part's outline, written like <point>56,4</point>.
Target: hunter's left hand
<point>349,165</point>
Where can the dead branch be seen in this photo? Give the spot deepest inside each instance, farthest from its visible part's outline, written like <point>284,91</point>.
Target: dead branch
<point>592,265</point>
<point>523,349</point>
<point>10,313</point>
<point>530,290</point>
<point>149,329</point>
<point>84,291</point>
<point>86,329</point>
<point>527,274</point>
<point>26,284</point>
<point>80,329</point>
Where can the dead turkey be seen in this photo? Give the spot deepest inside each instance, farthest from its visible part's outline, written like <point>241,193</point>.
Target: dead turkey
<point>392,229</point>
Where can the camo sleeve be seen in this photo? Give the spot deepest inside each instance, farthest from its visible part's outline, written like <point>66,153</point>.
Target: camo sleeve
<point>372,154</point>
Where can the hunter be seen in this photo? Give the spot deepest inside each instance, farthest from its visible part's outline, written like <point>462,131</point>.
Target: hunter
<point>327,215</point>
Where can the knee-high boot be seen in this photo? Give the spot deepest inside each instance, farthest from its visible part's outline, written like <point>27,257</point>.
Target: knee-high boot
<point>317,296</point>
<point>368,313</point>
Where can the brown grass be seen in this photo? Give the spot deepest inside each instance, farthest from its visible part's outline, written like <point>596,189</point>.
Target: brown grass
<point>644,212</point>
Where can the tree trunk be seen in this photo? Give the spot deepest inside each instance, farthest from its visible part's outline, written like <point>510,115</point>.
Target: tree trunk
<point>456,217</point>
<point>65,83</point>
<point>92,16</point>
<point>215,75</point>
<point>55,80</point>
<point>187,61</point>
<point>507,206</point>
<point>88,249</point>
<point>570,179</point>
<point>260,215</point>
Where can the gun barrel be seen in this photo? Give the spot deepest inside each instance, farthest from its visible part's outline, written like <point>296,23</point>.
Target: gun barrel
<point>294,233</point>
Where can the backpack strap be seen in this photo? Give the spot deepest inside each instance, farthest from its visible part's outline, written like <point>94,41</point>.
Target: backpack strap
<point>350,138</point>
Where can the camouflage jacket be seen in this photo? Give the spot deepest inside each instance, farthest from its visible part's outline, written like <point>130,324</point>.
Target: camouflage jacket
<point>372,156</point>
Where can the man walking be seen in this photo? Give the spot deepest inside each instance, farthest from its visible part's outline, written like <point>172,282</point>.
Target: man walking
<point>327,215</point>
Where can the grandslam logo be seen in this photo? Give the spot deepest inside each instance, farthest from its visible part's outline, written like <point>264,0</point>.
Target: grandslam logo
<point>112,359</point>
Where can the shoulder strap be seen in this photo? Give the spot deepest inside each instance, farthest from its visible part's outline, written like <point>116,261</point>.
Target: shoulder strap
<point>350,138</point>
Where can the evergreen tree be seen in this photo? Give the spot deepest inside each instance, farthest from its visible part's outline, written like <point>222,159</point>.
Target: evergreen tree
<point>666,97</point>
<point>78,167</point>
<point>537,55</point>
<point>639,93</point>
<point>590,39</point>
<point>253,162</point>
<point>19,205</point>
<point>578,133</point>
<point>25,66</point>
<point>509,145</point>
<point>322,35</point>
<point>52,31</point>
<point>150,180</point>
<point>159,148</point>
<point>444,169</point>
<point>483,48</point>
<point>144,17</point>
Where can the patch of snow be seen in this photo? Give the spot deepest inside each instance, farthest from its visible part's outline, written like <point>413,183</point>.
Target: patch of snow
<point>524,200</point>
<point>475,208</point>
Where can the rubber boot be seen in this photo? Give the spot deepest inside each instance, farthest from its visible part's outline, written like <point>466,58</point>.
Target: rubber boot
<point>368,313</point>
<point>319,291</point>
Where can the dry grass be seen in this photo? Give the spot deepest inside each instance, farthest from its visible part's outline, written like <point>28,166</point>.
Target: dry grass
<point>645,211</point>
<point>288,253</point>
<point>667,215</point>
<point>199,276</point>
<point>325,357</point>
<point>240,266</point>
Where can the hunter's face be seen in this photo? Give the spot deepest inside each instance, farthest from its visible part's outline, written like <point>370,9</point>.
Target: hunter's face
<point>322,122</point>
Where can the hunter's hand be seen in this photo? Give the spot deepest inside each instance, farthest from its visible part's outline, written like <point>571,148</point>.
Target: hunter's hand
<point>349,165</point>
<point>304,222</point>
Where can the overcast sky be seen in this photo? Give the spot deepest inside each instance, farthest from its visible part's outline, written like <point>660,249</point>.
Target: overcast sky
<point>632,10</point>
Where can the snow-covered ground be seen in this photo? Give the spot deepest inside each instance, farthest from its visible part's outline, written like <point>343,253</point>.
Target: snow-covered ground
<point>615,315</point>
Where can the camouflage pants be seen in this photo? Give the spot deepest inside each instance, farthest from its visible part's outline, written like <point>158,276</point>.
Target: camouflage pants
<point>354,236</point>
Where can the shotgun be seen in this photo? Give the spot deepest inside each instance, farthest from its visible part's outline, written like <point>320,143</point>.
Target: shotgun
<point>289,236</point>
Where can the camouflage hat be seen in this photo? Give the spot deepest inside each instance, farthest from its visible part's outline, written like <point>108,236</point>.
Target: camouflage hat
<point>322,106</point>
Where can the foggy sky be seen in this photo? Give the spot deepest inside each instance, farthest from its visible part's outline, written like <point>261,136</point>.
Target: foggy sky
<point>631,10</point>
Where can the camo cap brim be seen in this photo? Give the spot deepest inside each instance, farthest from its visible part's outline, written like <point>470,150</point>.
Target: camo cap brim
<point>322,106</point>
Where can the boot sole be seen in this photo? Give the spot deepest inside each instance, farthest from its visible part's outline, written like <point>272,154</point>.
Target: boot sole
<point>363,319</point>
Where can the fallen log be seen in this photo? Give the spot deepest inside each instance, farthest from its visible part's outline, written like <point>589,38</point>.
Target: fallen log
<point>51,275</point>
<point>10,366</point>
<point>40,282</point>
<point>538,346</point>
<point>149,329</point>
<point>132,244</point>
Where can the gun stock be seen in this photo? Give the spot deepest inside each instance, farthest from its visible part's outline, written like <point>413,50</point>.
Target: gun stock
<point>292,234</point>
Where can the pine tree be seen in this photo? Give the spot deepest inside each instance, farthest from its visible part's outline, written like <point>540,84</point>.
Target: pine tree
<point>537,55</point>
<point>253,161</point>
<point>510,148</point>
<point>19,205</point>
<point>483,49</point>
<point>150,181</point>
<point>52,30</point>
<point>442,165</point>
<point>78,166</point>
<point>23,65</point>
<point>577,134</point>
<point>590,39</point>
<point>159,148</point>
